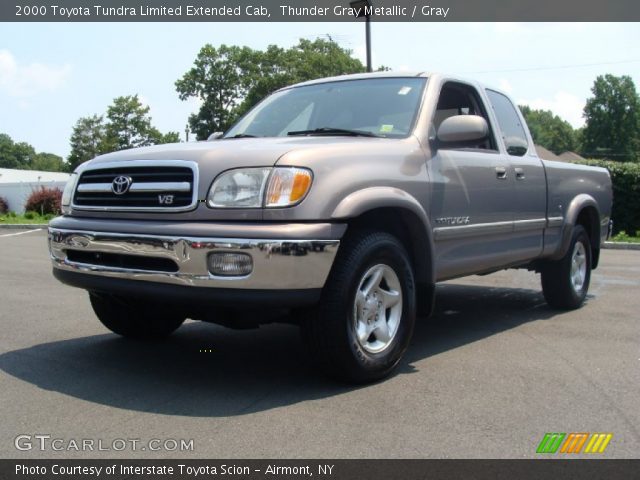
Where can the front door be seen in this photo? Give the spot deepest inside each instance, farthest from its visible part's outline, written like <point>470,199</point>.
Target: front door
<point>471,206</point>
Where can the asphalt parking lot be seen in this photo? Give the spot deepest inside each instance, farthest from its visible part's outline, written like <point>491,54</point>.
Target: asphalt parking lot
<point>487,376</point>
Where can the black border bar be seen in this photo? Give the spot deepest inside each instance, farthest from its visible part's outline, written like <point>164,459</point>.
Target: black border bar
<point>317,10</point>
<point>584,469</point>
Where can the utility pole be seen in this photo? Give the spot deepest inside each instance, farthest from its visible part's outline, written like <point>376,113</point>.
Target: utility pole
<point>362,8</point>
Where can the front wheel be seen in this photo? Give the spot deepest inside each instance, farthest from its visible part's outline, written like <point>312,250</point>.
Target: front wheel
<point>565,282</point>
<point>138,319</point>
<point>366,317</point>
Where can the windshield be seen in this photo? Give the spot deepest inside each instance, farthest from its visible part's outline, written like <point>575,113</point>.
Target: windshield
<point>384,107</point>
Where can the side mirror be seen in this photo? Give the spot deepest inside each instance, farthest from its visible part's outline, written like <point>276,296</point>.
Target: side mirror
<point>215,136</point>
<point>463,128</point>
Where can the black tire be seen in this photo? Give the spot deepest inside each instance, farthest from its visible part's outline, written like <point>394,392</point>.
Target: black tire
<point>330,331</point>
<point>133,318</point>
<point>558,287</point>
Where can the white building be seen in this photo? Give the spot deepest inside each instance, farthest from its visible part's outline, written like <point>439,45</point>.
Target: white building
<point>17,185</point>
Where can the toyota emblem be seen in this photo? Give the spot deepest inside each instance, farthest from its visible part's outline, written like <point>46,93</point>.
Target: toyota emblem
<point>120,185</point>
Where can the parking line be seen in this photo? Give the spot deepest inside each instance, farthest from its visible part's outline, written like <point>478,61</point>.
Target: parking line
<point>21,233</point>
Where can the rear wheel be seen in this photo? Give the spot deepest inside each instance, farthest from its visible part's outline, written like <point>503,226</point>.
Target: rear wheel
<point>134,318</point>
<point>365,320</point>
<point>565,282</point>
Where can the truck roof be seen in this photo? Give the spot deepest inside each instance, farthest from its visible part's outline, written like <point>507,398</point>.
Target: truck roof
<point>392,74</point>
<point>359,76</point>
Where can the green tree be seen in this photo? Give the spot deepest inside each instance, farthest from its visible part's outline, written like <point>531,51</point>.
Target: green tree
<point>158,138</point>
<point>612,128</point>
<point>220,78</point>
<point>48,162</point>
<point>23,156</point>
<point>129,124</point>
<point>308,60</point>
<point>15,155</point>
<point>7,155</point>
<point>549,130</point>
<point>87,140</point>
<point>229,80</point>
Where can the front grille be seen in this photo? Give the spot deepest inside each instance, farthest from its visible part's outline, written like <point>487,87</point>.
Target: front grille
<point>131,262</point>
<point>136,187</point>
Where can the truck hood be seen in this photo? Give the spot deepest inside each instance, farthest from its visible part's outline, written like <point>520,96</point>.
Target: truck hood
<point>214,157</point>
<point>219,155</point>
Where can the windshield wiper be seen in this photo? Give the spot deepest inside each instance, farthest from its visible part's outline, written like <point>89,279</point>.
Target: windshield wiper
<point>242,135</point>
<point>333,131</point>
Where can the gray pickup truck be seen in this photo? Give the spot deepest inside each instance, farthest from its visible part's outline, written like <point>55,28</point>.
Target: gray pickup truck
<point>343,200</point>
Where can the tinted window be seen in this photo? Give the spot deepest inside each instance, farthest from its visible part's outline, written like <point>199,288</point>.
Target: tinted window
<point>513,134</point>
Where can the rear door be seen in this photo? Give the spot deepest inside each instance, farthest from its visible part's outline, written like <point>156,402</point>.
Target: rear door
<point>530,199</point>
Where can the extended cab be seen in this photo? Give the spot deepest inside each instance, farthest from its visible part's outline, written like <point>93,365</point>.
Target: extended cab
<point>344,200</point>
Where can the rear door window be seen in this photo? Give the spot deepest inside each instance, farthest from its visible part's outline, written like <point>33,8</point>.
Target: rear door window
<point>515,139</point>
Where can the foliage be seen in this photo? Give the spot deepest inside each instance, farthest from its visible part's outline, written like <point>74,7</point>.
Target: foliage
<point>229,80</point>
<point>625,177</point>
<point>44,200</point>
<point>27,218</point>
<point>158,138</point>
<point>15,155</point>
<point>4,206</point>
<point>127,125</point>
<point>220,78</point>
<point>622,236</point>
<point>86,140</point>
<point>23,156</point>
<point>549,130</point>
<point>612,115</point>
<point>48,162</point>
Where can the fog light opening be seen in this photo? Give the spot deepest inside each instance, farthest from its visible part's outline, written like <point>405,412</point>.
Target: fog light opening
<point>227,264</point>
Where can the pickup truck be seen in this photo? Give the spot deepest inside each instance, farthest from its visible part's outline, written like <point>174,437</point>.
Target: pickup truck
<point>342,200</point>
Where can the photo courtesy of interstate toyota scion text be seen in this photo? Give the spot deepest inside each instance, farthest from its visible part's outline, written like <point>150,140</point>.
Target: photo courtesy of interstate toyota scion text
<point>341,200</point>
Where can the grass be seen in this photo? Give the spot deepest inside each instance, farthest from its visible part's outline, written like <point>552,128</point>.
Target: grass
<point>622,236</point>
<point>26,218</point>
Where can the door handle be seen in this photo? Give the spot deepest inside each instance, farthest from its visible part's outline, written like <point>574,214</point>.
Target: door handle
<point>519,173</point>
<point>501,173</point>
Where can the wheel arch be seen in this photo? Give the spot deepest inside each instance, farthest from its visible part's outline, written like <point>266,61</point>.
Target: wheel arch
<point>398,213</point>
<point>583,210</point>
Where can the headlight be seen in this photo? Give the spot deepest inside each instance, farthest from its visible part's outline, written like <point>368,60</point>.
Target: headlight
<point>258,187</point>
<point>242,188</point>
<point>67,193</point>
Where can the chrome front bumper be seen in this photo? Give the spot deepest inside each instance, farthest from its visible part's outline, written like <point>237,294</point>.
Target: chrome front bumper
<point>277,264</point>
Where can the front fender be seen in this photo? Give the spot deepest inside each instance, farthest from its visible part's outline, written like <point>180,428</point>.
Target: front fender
<point>361,201</point>
<point>411,214</point>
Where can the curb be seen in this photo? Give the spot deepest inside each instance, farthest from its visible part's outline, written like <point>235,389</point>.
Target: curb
<point>621,246</point>
<point>23,226</point>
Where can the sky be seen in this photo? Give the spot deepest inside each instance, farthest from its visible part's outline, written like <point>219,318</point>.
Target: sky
<point>51,74</point>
